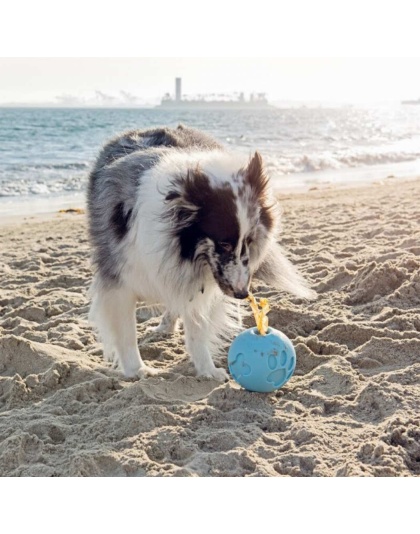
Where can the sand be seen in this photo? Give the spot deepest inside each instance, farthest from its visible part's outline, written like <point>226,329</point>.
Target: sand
<point>351,408</point>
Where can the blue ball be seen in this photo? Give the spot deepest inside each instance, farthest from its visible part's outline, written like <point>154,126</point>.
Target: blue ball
<point>261,363</point>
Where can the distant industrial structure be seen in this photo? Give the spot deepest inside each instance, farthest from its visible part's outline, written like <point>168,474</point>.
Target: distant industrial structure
<point>415,102</point>
<point>178,90</point>
<point>213,101</point>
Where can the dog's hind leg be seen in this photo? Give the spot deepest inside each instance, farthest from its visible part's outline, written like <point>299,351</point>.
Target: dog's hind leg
<point>113,312</point>
<point>167,325</point>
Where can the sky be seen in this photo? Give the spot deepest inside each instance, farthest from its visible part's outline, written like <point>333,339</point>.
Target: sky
<point>43,80</point>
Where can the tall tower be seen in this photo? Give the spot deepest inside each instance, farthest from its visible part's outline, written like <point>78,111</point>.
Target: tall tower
<point>178,94</point>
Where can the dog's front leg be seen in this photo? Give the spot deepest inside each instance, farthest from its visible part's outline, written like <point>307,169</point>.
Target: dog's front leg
<point>197,344</point>
<point>113,312</point>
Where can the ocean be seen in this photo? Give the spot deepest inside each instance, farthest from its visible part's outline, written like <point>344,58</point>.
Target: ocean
<point>46,154</point>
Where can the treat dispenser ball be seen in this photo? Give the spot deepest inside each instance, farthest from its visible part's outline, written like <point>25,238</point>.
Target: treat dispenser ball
<point>259,362</point>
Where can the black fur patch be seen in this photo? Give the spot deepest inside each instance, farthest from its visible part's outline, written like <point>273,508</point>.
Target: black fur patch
<point>172,195</point>
<point>120,220</point>
<point>162,137</point>
<point>216,217</point>
<point>188,240</point>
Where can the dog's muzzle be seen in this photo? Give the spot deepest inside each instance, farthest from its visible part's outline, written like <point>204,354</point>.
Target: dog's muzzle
<point>243,294</point>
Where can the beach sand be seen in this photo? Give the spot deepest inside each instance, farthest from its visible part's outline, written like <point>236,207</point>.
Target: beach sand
<point>352,407</point>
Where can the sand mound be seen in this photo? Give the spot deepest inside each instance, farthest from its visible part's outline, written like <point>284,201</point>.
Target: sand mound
<point>375,281</point>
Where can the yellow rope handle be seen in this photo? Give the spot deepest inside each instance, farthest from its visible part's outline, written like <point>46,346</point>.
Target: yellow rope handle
<point>260,315</point>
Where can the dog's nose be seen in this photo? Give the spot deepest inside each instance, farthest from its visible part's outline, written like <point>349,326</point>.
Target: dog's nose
<point>241,294</point>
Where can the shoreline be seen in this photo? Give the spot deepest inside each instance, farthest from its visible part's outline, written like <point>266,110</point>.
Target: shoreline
<point>42,209</point>
<point>29,209</point>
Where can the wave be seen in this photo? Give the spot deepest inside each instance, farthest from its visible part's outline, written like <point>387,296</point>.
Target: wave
<point>311,163</point>
<point>28,187</point>
<point>69,177</point>
<point>48,166</point>
<point>43,179</point>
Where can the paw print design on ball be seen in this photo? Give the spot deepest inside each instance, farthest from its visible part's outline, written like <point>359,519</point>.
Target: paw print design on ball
<point>261,363</point>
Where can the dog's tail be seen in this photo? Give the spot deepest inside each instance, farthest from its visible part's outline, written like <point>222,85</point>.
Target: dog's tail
<point>277,271</point>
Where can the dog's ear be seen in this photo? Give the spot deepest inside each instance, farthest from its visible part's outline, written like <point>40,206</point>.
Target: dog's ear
<point>186,196</point>
<point>181,212</point>
<point>256,176</point>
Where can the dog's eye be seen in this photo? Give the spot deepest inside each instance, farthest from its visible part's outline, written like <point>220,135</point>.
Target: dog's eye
<point>249,240</point>
<point>226,247</point>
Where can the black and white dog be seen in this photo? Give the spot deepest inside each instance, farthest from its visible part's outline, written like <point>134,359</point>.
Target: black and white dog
<point>176,220</point>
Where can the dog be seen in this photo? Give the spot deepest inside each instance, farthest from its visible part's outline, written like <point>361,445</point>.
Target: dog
<point>177,220</point>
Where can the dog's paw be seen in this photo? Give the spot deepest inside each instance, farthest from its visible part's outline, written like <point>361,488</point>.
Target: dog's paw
<point>220,375</point>
<point>141,372</point>
<point>137,370</point>
<point>168,325</point>
<point>146,370</point>
<point>217,373</point>
<point>160,330</point>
